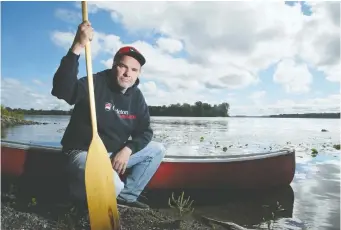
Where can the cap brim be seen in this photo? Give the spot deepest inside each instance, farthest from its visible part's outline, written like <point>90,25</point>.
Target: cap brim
<point>139,57</point>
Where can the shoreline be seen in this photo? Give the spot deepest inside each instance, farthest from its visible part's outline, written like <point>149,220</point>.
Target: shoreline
<point>23,211</point>
<point>8,121</point>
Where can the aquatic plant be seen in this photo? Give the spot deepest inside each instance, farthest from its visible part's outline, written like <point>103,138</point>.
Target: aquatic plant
<point>314,152</point>
<point>33,202</point>
<point>270,218</point>
<point>184,206</point>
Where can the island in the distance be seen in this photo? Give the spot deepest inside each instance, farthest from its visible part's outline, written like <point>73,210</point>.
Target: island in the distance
<point>198,109</point>
<point>299,115</point>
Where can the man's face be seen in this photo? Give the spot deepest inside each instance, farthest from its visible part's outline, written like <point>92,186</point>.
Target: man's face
<point>127,69</point>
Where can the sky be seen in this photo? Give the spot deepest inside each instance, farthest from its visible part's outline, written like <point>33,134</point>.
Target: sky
<point>260,57</point>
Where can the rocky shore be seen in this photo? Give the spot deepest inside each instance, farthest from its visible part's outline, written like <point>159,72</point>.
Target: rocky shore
<point>30,206</point>
<point>16,214</point>
<point>7,121</point>
<point>130,218</point>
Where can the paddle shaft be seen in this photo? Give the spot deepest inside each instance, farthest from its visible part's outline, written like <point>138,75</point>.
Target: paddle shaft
<point>100,188</point>
<point>89,73</point>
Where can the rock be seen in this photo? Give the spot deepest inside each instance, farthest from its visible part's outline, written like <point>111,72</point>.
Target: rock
<point>17,214</point>
<point>324,130</point>
<point>226,224</point>
<point>7,121</point>
<point>130,218</point>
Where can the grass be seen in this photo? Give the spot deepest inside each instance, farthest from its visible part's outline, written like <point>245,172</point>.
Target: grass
<point>5,112</point>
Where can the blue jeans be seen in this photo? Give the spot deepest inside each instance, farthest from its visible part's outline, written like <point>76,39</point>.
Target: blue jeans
<point>143,165</point>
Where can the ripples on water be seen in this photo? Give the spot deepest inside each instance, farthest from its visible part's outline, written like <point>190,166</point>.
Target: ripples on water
<point>311,202</point>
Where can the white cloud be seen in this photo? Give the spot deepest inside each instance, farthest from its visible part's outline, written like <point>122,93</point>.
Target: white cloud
<point>169,45</point>
<point>16,94</point>
<point>234,52</point>
<point>63,39</point>
<point>318,42</point>
<point>295,77</point>
<point>38,82</point>
<point>101,42</point>
<point>225,48</point>
<point>216,35</point>
<point>258,97</point>
<point>148,87</point>
<point>68,16</point>
<point>328,104</point>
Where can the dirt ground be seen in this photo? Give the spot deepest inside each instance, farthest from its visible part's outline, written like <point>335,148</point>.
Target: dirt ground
<point>18,214</point>
<point>43,204</point>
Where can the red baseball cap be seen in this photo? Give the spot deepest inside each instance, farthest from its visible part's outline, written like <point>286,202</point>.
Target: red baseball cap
<point>132,52</point>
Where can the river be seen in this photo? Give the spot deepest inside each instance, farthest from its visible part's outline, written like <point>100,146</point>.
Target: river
<point>312,201</point>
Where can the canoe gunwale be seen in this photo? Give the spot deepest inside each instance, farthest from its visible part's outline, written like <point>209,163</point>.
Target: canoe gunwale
<point>174,158</point>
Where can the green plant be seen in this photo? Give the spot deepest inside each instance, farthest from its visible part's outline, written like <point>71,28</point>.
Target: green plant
<point>33,202</point>
<point>314,152</point>
<point>184,206</point>
<point>337,147</point>
<point>270,217</point>
<point>14,114</point>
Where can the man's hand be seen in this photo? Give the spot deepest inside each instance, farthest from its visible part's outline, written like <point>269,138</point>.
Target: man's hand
<point>120,161</point>
<point>84,35</point>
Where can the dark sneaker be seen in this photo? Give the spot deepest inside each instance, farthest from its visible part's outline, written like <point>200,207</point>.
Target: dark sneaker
<point>131,204</point>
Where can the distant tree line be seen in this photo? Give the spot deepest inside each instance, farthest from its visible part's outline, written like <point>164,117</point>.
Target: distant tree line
<point>9,113</point>
<point>40,111</point>
<point>309,115</point>
<point>199,109</point>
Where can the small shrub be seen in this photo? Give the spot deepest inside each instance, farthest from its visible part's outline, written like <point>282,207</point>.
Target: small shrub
<point>336,147</point>
<point>183,206</point>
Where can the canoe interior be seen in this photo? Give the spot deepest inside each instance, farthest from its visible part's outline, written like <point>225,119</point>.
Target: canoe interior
<point>43,165</point>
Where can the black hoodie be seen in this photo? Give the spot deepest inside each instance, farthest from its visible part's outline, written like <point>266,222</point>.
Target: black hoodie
<point>119,115</point>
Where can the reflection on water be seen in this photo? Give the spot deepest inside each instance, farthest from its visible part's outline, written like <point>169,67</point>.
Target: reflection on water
<point>246,208</point>
<point>317,191</point>
<point>315,203</point>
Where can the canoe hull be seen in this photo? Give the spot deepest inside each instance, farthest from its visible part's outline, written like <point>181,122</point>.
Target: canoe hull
<point>255,171</point>
<point>250,174</point>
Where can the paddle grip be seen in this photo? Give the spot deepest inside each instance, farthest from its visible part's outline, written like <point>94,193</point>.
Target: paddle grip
<point>89,73</point>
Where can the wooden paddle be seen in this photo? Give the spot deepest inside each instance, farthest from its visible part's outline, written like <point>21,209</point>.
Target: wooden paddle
<point>99,180</point>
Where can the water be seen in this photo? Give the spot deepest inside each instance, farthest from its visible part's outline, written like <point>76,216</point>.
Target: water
<point>311,202</point>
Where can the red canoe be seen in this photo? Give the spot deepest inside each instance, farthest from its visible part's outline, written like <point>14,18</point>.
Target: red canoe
<point>248,171</point>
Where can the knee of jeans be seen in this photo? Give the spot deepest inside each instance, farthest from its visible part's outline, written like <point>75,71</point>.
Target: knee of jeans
<point>160,149</point>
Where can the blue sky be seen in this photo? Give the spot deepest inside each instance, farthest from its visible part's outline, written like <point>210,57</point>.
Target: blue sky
<point>35,36</point>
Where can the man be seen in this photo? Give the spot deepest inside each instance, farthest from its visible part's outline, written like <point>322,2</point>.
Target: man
<point>121,113</point>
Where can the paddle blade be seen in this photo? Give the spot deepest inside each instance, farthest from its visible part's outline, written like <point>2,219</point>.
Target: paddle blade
<point>100,189</point>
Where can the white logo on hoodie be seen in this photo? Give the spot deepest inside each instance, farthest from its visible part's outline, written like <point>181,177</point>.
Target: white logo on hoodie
<point>118,111</point>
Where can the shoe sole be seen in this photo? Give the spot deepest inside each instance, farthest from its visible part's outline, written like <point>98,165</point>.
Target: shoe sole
<point>127,206</point>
